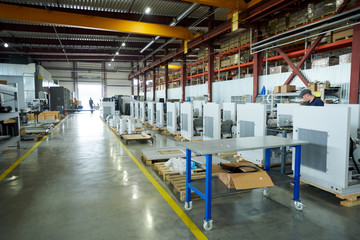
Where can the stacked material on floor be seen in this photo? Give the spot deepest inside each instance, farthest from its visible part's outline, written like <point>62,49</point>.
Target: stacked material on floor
<point>45,117</point>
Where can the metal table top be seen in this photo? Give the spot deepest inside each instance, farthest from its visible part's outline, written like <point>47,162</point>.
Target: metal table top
<point>240,144</point>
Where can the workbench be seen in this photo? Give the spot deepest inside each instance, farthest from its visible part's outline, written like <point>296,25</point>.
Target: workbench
<point>207,148</point>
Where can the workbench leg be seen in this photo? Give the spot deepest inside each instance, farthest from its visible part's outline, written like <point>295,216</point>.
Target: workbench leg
<point>297,173</point>
<point>267,159</point>
<point>208,193</point>
<point>283,155</point>
<point>188,175</point>
<point>298,204</point>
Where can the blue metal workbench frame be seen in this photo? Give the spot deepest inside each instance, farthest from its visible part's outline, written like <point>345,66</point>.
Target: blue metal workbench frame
<point>208,180</point>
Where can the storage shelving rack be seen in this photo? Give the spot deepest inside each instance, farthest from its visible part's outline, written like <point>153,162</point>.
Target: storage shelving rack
<point>9,94</point>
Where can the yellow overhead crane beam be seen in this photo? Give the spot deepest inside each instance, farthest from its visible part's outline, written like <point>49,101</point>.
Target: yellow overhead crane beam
<point>239,5</point>
<point>28,14</point>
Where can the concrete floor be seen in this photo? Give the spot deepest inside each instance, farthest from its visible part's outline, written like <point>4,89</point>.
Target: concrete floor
<point>80,184</point>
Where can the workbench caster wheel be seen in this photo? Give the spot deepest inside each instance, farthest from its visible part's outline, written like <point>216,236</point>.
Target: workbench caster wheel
<point>266,191</point>
<point>208,225</point>
<point>188,206</point>
<point>299,205</point>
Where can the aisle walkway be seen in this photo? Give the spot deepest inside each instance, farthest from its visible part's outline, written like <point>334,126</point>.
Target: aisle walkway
<point>80,184</point>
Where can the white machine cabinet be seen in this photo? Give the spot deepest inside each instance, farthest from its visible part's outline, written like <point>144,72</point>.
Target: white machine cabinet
<point>229,112</point>
<point>151,107</point>
<point>142,111</point>
<point>325,161</point>
<point>251,122</point>
<point>160,115</point>
<point>137,110</point>
<point>212,121</point>
<point>172,111</point>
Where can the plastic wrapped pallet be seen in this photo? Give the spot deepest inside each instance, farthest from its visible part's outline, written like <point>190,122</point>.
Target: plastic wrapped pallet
<point>324,62</point>
<point>278,69</point>
<point>345,58</point>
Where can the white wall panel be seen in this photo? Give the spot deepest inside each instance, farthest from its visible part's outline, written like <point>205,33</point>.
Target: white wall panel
<point>111,91</point>
<point>222,91</point>
<point>159,94</point>
<point>174,93</point>
<point>196,90</point>
<point>68,85</point>
<point>16,69</point>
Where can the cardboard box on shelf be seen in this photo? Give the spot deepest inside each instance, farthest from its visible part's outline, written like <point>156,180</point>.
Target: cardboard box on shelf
<point>324,85</point>
<point>244,180</point>
<point>345,58</point>
<point>324,62</point>
<point>4,82</point>
<point>313,86</point>
<point>278,69</point>
<point>329,101</point>
<point>277,89</point>
<point>288,88</point>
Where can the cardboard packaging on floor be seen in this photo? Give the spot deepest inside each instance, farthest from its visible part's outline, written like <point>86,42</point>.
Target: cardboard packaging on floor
<point>241,181</point>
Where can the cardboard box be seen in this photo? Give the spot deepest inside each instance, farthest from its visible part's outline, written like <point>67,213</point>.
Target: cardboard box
<point>277,89</point>
<point>4,82</point>
<point>288,88</point>
<point>313,86</point>
<point>324,62</point>
<point>345,58</point>
<point>22,131</point>
<point>278,69</point>
<point>247,180</point>
<point>323,85</point>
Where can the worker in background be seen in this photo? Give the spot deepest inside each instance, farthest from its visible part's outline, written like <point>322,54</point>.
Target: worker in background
<point>76,103</point>
<point>310,99</point>
<point>91,102</point>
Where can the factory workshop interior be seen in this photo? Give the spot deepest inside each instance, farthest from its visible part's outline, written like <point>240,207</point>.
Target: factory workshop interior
<point>179,119</point>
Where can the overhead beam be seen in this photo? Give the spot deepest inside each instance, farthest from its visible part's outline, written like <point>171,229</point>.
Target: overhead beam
<point>229,4</point>
<point>28,14</point>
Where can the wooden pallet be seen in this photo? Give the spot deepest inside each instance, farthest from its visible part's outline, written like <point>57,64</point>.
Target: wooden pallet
<point>179,184</point>
<point>137,137</point>
<point>165,172</point>
<point>155,128</point>
<point>189,140</point>
<point>349,200</point>
<point>151,162</point>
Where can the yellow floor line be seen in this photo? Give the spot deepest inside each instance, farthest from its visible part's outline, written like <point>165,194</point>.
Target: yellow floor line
<point>12,167</point>
<point>189,223</point>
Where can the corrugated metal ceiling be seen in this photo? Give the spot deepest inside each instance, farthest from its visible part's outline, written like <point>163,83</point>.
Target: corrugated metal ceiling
<point>158,8</point>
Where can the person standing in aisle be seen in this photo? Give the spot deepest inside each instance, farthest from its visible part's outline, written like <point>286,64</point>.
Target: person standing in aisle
<point>310,99</point>
<point>91,102</point>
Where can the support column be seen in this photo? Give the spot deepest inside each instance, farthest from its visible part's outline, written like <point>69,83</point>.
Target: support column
<point>210,69</point>
<point>132,79</point>
<point>75,82</point>
<point>154,83</point>
<point>104,80</point>
<point>256,68</point>
<point>166,80</point>
<point>210,56</point>
<point>138,80</point>
<point>183,77</point>
<point>355,67</point>
<point>145,86</point>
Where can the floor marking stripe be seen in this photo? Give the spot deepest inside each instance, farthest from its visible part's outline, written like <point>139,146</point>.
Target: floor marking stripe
<point>12,167</point>
<point>189,223</point>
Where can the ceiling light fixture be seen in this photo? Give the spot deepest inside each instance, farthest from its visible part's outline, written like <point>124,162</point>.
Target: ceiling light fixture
<point>147,10</point>
<point>109,64</point>
<point>112,60</point>
<point>117,53</point>
<point>123,44</point>
<point>6,45</point>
